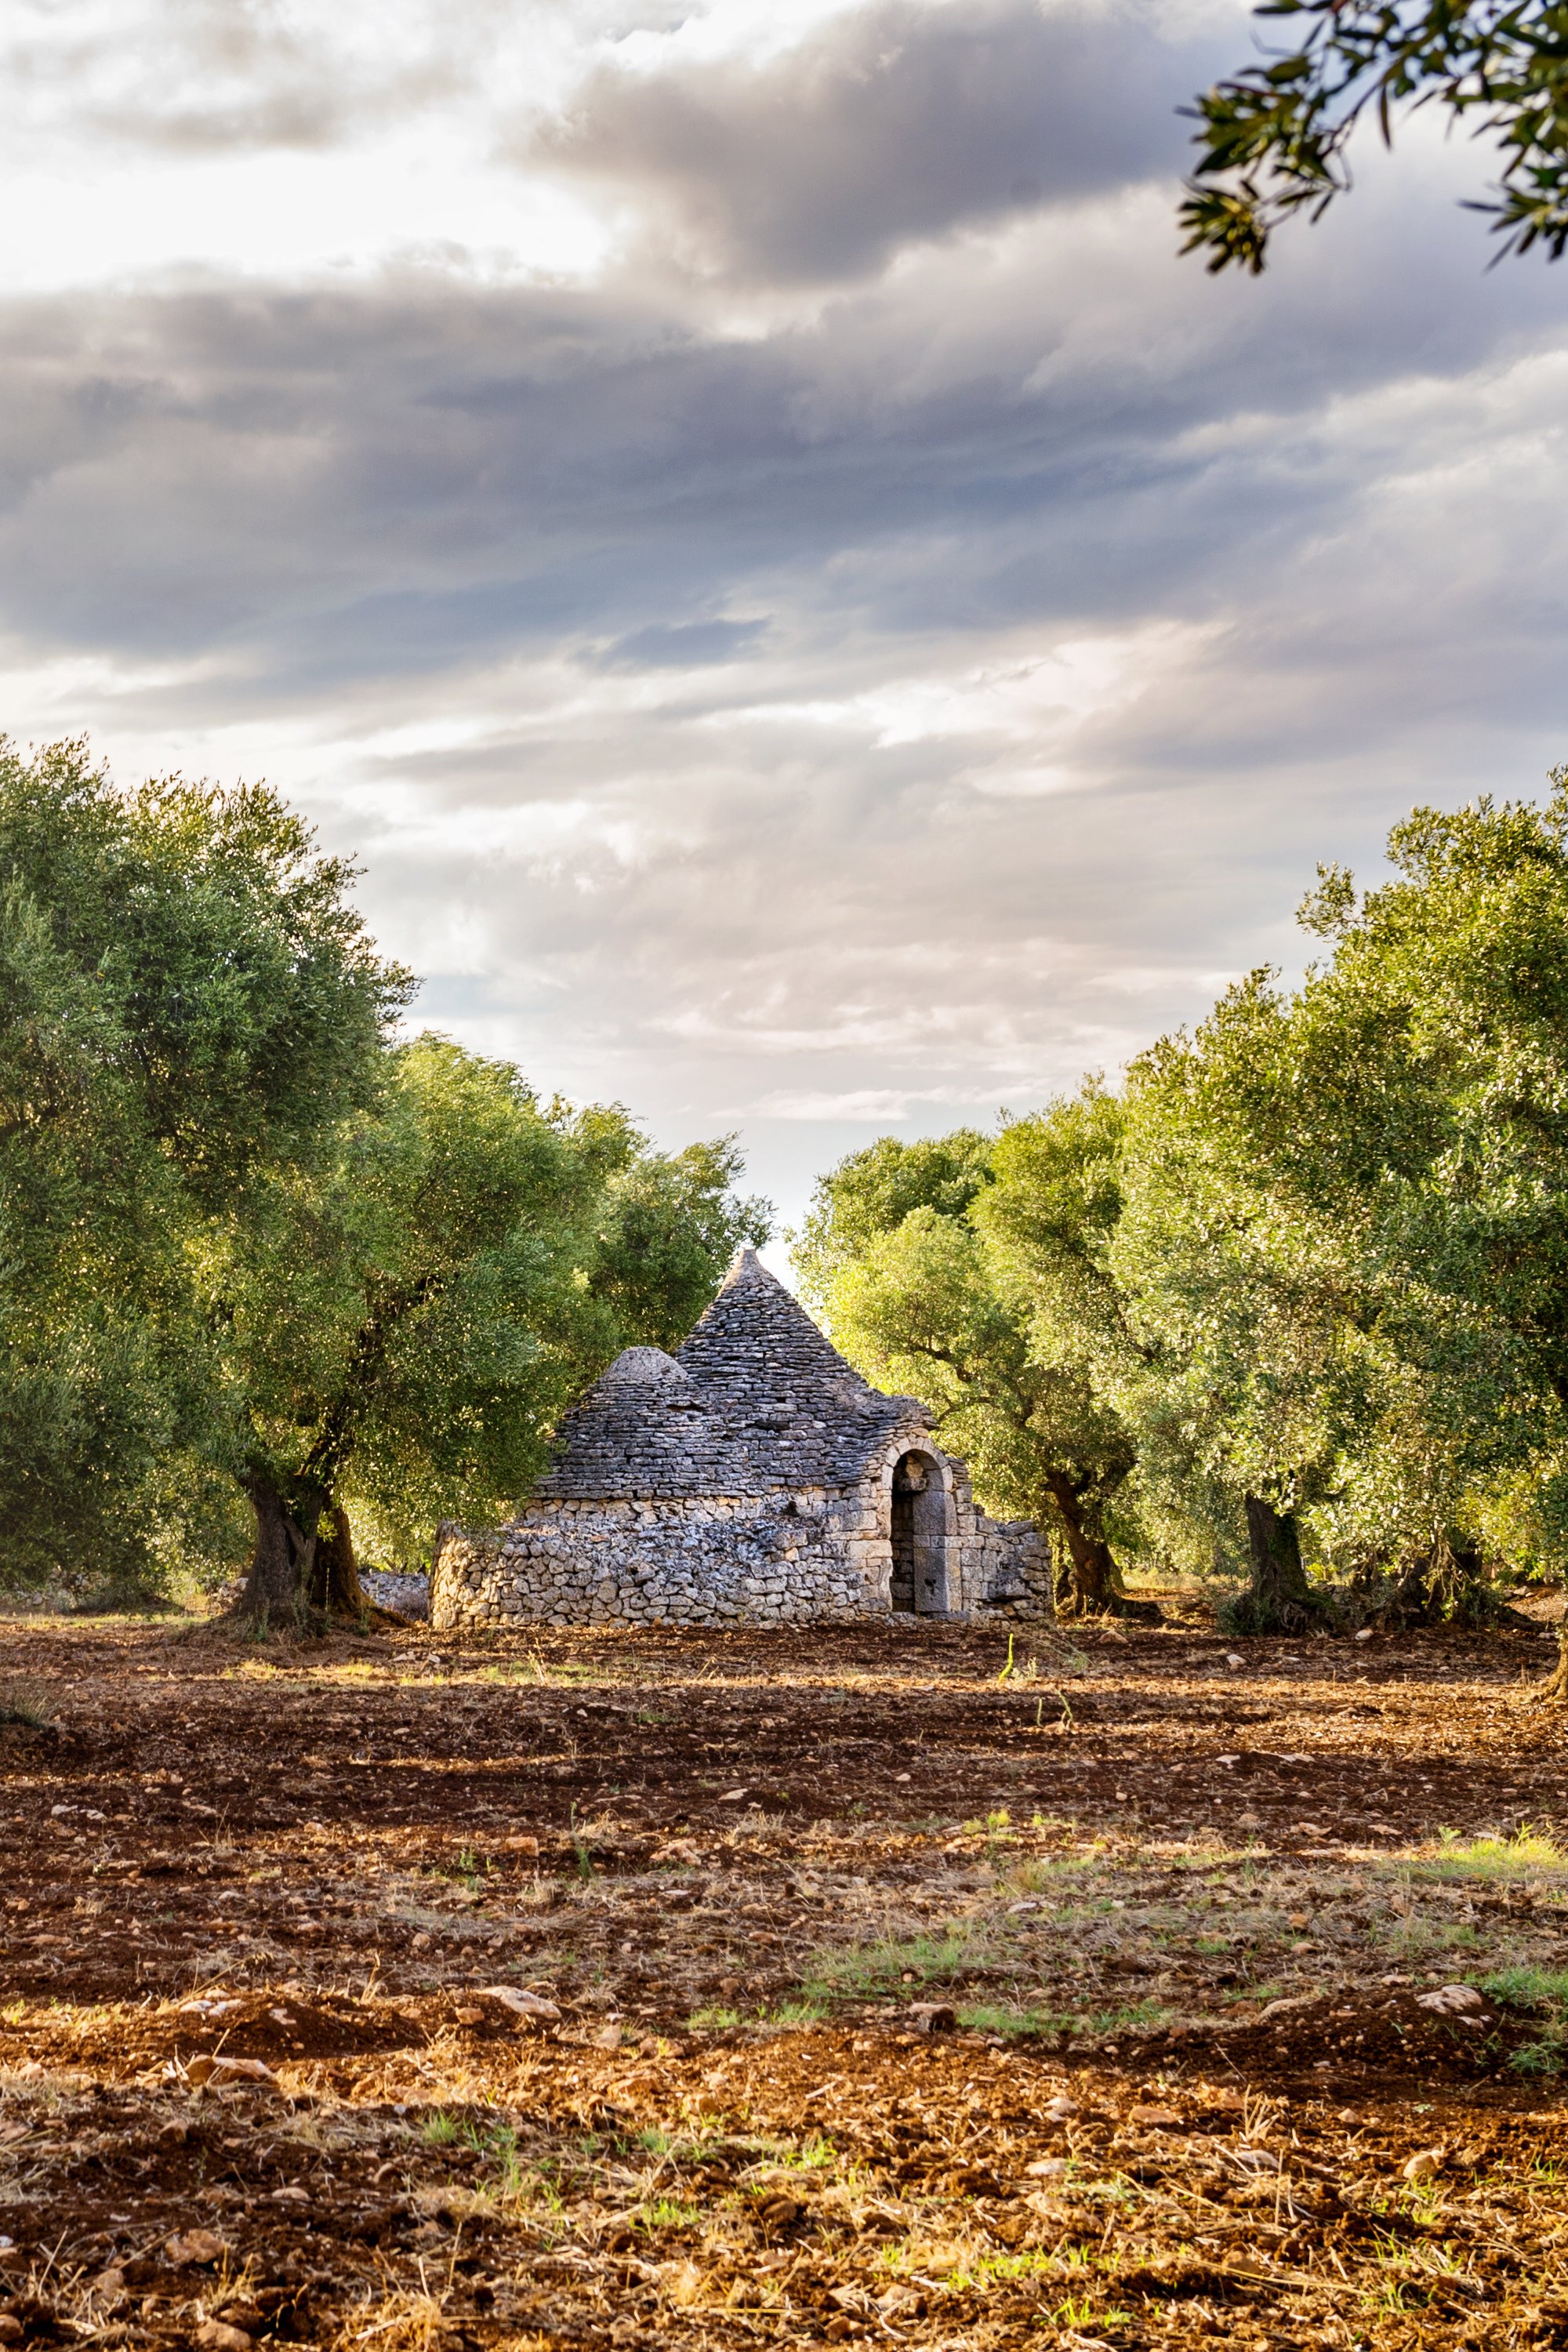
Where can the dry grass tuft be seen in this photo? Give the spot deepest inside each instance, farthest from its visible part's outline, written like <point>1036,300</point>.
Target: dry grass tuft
<point>29,1703</point>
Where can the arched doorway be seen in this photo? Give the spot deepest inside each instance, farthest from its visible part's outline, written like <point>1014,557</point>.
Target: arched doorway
<point>919,1536</point>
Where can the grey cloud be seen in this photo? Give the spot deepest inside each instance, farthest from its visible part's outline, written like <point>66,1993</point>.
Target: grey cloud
<point>1294,551</point>
<point>320,486</point>
<point>896,123</point>
<point>681,644</point>
<point>216,77</point>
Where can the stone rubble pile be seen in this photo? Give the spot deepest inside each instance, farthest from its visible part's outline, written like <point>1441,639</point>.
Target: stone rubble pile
<point>409,1595</point>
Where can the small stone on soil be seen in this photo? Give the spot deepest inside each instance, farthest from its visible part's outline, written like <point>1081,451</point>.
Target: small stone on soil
<point>195,2247</point>
<point>216,2335</point>
<point>932,2016</point>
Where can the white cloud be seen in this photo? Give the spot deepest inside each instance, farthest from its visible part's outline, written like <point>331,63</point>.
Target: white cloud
<point>876,1105</point>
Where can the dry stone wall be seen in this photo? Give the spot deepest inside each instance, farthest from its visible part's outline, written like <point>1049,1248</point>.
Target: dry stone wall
<point>712,1560</point>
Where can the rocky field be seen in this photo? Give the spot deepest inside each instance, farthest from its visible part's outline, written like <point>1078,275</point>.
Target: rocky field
<point>888,1985</point>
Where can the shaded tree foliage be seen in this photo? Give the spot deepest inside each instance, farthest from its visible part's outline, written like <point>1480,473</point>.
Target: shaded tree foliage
<point>248,1240</point>
<point>1295,1302</point>
<point>1345,1235</point>
<point>668,1225</point>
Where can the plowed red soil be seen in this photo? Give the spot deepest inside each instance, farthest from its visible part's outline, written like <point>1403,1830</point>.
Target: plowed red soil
<point>884,1986</point>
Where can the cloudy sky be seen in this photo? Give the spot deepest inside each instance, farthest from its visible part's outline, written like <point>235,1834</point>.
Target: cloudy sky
<point>814,619</point>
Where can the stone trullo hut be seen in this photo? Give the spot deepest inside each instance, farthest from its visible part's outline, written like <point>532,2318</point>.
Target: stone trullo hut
<point>755,1478</point>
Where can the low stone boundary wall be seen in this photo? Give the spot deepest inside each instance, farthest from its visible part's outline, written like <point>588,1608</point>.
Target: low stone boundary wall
<point>1008,1570</point>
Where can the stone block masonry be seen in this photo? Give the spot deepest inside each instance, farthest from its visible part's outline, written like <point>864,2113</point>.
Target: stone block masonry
<point>1008,1570</point>
<point>724,1561</point>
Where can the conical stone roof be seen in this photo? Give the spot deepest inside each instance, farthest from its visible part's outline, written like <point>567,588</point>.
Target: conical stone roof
<point>756,1400</point>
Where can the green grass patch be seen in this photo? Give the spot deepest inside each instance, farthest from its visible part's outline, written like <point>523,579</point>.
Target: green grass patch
<point>1009,2018</point>
<point>466,1869</point>
<point>1529,1988</point>
<point>1543,2057</point>
<point>892,1965</point>
<point>814,2155</point>
<point>1043,1873</point>
<point>715,2020</point>
<point>497,2143</point>
<point>1078,2312</point>
<point>565,1671</point>
<point>1419,1939</point>
<point>1118,2021</point>
<point>1530,1853</point>
<point>668,2213</point>
<point>992,2269</point>
<point>995,1828</point>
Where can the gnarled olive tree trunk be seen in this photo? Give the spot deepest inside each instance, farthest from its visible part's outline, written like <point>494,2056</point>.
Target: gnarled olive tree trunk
<point>1279,1599</point>
<point>335,1587</point>
<point>1556,1688</point>
<point>1088,1581</point>
<point>277,1590</point>
<point>303,1576</point>
<point>1446,1584</point>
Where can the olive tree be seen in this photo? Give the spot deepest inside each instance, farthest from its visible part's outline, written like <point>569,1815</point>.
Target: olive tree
<point>188,1002</point>
<point>1344,1241</point>
<point>911,1252</point>
<point>402,1329</point>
